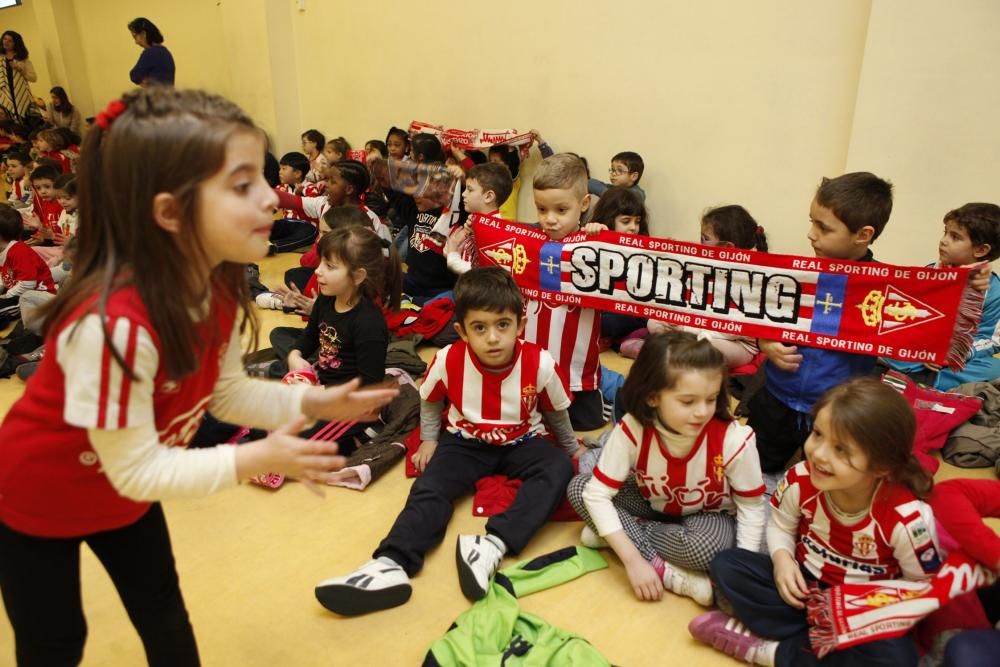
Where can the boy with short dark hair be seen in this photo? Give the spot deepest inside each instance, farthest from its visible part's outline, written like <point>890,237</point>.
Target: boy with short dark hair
<point>292,170</point>
<point>511,158</point>
<point>626,170</point>
<point>847,214</point>
<point>46,209</point>
<point>21,268</point>
<point>971,235</point>
<point>498,390</point>
<point>487,187</point>
<point>570,333</point>
<point>18,166</point>
<point>295,229</point>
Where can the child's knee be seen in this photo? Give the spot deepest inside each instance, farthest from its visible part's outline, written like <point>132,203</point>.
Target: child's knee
<point>562,471</point>
<point>574,491</point>
<point>724,565</point>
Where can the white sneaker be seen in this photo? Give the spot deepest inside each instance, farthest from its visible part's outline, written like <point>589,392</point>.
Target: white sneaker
<point>374,586</point>
<point>589,538</point>
<point>270,301</point>
<point>478,559</point>
<point>691,584</point>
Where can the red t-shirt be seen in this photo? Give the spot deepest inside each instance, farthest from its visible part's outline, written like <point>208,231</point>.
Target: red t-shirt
<point>47,211</point>
<point>51,481</point>
<point>21,263</point>
<point>64,162</point>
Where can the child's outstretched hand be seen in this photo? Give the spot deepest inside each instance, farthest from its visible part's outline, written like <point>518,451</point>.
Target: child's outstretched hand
<point>346,402</point>
<point>789,580</point>
<point>284,452</point>
<point>593,228</point>
<point>424,454</point>
<point>537,136</point>
<point>646,583</point>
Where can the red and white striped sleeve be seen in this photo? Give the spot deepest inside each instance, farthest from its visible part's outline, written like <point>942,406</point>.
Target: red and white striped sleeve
<point>742,462</point>
<point>555,394</point>
<point>914,541</point>
<point>786,510</point>
<point>314,207</point>
<point>434,388</point>
<point>98,393</point>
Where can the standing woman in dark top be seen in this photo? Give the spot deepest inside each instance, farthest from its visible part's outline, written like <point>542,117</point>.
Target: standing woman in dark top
<point>155,64</point>
<point>15,95</point>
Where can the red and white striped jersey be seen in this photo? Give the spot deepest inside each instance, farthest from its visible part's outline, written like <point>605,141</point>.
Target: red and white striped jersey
<point>51,481</point>
<point>723,461</point>
<point>315,207</point>
<point>496,408</point>
<point>571,335</point>
<point>895,539</point>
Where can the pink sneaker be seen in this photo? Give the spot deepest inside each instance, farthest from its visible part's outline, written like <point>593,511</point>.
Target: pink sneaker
<point>269,480</point>
<point>303,376</point>
<point>726,634</point>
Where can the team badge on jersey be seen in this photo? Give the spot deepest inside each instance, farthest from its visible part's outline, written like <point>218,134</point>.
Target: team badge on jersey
<point>864,545</point>
<point>718,468</point>
<point>529,397</point>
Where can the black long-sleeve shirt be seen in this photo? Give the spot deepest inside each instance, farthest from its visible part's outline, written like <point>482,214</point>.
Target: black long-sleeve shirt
<point>350,344</point>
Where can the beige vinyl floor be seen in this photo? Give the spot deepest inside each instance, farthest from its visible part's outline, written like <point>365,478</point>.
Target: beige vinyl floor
<point>249,558</point>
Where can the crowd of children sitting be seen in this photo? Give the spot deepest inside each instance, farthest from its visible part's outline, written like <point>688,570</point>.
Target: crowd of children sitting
<point>819,488</point>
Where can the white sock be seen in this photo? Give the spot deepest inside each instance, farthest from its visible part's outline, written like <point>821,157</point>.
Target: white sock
<point>498,543</point>
<point>764,655</point>
<point>390,562</point>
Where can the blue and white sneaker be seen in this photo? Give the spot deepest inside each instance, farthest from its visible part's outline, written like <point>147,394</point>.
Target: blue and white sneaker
<point>376,585</point>
<point>478,559</point>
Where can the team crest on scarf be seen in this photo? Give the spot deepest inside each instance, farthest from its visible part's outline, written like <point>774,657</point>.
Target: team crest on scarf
<point>508,254</point>
<point>882,597</point>
<point>894,310</point>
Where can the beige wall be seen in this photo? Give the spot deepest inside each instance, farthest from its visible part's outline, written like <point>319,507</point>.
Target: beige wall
<point>727,102</point>
<point>191,29</point>
<point>746,103</point>
<point>927,115</point>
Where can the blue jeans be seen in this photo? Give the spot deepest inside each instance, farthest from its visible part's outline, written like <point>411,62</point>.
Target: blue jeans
<point>746,580</point>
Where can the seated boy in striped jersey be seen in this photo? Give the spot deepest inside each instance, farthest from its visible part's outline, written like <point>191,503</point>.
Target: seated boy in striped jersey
<point>499,389</point>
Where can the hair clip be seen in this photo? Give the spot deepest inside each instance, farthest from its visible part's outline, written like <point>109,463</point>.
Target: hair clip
<point>760,230</point>
<point>113,110</point>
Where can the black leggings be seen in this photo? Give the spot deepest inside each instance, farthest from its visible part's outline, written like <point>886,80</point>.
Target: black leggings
<point>40,581</point>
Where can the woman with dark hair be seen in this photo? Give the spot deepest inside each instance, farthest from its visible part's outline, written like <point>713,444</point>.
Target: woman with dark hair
<point>155,64</point>
<point>15,94</point>
<point>62,113</point>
